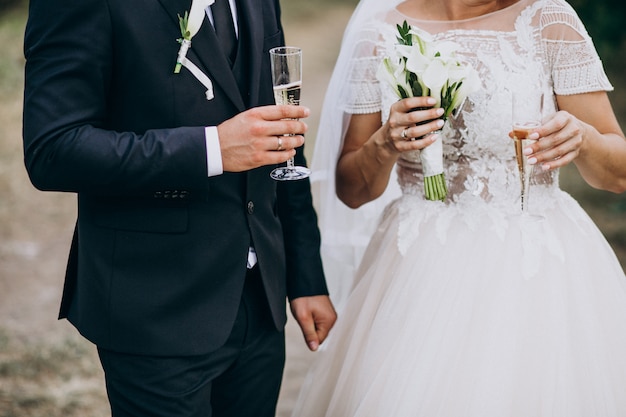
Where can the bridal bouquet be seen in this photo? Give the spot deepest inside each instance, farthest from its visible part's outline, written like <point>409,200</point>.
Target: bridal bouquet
<point>418,66</point>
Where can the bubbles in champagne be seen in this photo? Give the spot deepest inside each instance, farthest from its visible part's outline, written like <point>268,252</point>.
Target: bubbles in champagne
<point>288,93</point>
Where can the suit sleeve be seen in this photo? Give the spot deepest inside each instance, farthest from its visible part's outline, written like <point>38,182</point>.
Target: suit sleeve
<point>69,141</point>
<point>305,275</point>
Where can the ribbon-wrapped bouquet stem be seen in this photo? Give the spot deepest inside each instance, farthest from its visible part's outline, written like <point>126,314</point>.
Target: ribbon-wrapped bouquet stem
<point>419,66</point>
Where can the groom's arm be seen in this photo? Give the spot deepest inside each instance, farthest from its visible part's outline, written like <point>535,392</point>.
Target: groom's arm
<point>70,143</point>
<point>306,284</point>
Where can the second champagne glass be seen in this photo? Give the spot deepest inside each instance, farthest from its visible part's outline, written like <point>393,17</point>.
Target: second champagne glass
<point>286,63</point>
<point>527,107</point>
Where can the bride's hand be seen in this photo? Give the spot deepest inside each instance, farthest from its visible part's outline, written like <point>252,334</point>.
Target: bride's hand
<point>558,141</point>
<point>370,151</point>
<point>406,127</point>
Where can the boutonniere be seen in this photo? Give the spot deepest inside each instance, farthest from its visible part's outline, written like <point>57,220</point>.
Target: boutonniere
<point>190,24</point>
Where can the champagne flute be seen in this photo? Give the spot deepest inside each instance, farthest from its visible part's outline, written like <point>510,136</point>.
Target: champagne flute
<point>527,107</point>
<point>286,64</point>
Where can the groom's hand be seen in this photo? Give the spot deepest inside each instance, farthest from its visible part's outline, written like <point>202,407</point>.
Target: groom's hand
<point>316,316</point>
<point>257,136</point>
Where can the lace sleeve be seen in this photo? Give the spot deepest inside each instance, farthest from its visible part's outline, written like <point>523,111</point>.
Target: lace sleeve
<point>362,93</point>
<point>576,66</point>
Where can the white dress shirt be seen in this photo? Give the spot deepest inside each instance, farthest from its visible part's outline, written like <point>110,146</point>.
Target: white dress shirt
<point>213,151</point>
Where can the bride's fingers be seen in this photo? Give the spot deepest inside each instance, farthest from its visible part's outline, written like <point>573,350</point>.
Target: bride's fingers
<point>413,137</point>
<point>413,110</point>
<point>555,157</point>
<point>419,117</point>
<point>416,143</point>
<point>558,162</point>
<point>409,104</point>
<point>413,132</point>
<point>560,145</point>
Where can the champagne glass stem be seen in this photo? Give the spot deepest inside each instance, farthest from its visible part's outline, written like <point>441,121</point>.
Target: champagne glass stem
<point>525,171</point>
<point>527,108</point>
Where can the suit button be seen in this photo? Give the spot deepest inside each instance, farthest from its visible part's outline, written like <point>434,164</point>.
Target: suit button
<point>250,207</point>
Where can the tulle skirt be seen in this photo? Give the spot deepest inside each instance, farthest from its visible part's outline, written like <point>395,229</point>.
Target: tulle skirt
<point>500,316</point>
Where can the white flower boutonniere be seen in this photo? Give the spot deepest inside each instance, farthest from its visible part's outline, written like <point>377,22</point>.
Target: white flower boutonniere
<point>190,24</point>
<point>422,67</point>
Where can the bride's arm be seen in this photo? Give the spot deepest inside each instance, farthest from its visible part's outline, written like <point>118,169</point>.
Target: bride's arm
<point>585,131</point>
<point>370,150</point>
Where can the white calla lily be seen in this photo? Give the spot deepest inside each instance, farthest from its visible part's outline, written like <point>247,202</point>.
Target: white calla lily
<point>404,51</point>
<point>420,38</point>
<point>435,77</point>
<point>197,15</point>
<point>469,84</point>
<point>386,72</point>
<point>446,49</point>
<point>417,62</point>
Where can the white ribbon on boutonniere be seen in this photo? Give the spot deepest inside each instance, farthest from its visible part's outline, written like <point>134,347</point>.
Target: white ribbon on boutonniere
<point>190,25</point>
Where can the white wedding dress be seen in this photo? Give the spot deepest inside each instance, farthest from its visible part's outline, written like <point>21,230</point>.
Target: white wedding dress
<point>464,308</point>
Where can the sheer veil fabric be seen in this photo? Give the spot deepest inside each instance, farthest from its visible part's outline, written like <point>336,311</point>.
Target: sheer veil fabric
<point>462,308</point>
<point>346,232</point>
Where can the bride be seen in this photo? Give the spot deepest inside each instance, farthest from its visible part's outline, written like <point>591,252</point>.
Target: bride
<point>465,308</point>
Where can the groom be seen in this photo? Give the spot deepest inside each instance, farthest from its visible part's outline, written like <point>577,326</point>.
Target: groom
<point>184,249</point>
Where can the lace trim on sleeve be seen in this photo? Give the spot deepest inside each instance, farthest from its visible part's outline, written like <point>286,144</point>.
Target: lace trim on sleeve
<point>363,87</point>
<point>577,70</point>
<point>362,90</point>
<point>576,66</point>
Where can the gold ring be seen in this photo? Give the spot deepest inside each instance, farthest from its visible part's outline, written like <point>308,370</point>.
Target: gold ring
<point>403,134</point>
<point>280,143</point>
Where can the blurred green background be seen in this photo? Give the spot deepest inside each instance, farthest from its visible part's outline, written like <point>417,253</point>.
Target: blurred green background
<point>46,368</point>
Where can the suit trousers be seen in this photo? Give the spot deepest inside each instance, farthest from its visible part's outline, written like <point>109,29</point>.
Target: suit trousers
<point>240,379</point>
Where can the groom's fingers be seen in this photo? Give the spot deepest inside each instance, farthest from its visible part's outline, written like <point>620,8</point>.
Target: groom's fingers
<point>310,335</point>
<point>315,316</point>
<point>323,324</point>
<point>304,316</point>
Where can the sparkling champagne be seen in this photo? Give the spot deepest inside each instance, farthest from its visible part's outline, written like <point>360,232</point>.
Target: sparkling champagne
<point>288,93</point>
<point>521,132</point>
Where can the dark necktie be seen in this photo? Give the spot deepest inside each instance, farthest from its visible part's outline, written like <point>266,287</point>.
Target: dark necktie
<point>225,28</point>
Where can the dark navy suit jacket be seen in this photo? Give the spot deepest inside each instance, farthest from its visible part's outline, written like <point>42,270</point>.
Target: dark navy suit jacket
<point>158,259</point>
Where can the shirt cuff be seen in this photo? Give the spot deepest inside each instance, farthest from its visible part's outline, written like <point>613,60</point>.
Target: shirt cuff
<point>213,151</point>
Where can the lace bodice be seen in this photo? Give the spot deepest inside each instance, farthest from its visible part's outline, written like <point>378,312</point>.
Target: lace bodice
<point>538,44</point>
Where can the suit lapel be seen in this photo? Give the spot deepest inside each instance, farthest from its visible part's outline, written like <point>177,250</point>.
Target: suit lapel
<point>173,8</point>
<point>206,49</point>
<point>205,53</point>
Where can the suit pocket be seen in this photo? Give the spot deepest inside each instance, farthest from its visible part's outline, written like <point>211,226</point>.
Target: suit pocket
<point>138,216</point>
